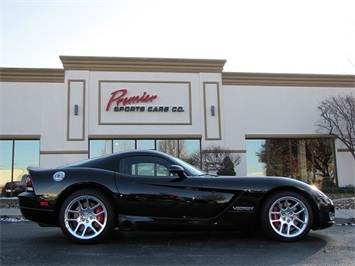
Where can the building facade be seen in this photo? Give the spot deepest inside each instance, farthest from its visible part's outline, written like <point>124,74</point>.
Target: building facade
<point>99,105</point>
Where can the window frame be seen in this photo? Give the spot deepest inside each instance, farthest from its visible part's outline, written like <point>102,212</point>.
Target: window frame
<point>135,161</point>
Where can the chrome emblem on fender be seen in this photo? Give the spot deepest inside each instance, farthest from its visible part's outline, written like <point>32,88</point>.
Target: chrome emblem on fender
<point>58,176</point>
<point>242,208</point>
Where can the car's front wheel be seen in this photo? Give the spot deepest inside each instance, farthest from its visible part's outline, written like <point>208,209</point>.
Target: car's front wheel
<point>286,216</point>
<point>87,216</point>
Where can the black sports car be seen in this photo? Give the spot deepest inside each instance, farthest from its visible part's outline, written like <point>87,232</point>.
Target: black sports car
<point>152,190</point>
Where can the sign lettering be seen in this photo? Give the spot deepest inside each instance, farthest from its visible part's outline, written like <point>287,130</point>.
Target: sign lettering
<point>130,102</point>
<point>118,96</point>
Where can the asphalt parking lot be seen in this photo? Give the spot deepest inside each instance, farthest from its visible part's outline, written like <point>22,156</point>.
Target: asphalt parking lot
<point>25,243</point>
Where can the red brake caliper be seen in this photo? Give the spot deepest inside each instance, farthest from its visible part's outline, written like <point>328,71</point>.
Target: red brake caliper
<point>275,216</point>
<point>100,218</point>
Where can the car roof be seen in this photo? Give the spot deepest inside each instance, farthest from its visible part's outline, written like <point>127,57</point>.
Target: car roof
<point>104,161</point>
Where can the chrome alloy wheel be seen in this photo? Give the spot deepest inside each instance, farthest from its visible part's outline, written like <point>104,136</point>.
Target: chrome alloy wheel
<point>288,217</point>
<point>85,217</point>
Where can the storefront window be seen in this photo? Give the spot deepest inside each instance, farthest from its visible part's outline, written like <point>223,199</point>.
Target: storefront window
<point>169,146</point>
<point>190,146</point>
<point>308,160</point>
<point>254,166</point>
<point>5,161</point>
<point>100,147</point>
<point>145,144</point>
<point>123,145</point>
<point>191,152</point>
<point>15,157</point>
<point>186,149</point>
<point>26,154</point>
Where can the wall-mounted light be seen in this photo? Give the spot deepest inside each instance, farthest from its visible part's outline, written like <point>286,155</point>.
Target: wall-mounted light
<point>213,111</point>
<point>76,109</point>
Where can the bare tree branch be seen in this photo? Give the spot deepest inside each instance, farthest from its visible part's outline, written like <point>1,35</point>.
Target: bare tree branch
<point>338,119</point>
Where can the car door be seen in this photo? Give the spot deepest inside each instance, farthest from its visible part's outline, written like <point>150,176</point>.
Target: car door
<point>147,188</point>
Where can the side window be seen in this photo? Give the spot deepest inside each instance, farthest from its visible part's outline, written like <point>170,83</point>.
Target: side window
<point>145,166</point>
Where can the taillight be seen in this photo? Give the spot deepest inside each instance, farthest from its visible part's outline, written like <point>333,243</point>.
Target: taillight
<point>28,184</point>
<point>28,181</point>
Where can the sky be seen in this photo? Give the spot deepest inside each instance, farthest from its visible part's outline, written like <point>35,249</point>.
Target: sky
<point>304,36</point>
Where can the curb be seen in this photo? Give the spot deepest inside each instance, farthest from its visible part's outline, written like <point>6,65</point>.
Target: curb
<point>345,221</point>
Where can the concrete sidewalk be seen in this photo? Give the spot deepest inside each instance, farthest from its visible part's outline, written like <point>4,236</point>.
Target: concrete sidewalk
<point>344,216</point>
<point>341,216</point>
<point>10,213</point>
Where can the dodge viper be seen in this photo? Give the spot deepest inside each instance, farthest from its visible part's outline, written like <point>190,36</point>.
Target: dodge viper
<point>150,190</point>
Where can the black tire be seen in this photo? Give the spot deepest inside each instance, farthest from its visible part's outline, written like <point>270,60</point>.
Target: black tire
<point>87,217</point>
<point>286,216</point>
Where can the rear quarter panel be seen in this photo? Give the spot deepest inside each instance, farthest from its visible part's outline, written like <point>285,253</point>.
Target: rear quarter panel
<point>46,188</point>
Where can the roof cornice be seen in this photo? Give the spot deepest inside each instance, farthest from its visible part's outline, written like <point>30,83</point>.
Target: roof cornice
<point>295,80</point>
<point>32,75</point>
<point>135,64</point>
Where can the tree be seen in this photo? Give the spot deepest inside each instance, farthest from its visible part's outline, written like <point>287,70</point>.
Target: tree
<point>213,157</point>
<point>338,119</point>
<point>297,158</point>
<point>227,167</point>
<point>319,154</point>
<point>279,160</point>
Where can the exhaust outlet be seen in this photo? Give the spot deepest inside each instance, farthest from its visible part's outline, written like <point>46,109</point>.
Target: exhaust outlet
<point>127,225</point>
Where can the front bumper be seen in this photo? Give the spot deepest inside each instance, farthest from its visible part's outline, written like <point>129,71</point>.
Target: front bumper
<point>327,218</point>
<point>326,212</point>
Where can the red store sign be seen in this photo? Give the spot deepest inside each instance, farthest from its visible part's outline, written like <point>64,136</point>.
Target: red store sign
<point>119,96</point>
<point>144,103</point>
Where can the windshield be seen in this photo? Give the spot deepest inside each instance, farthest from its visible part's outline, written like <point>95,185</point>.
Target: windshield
<point>188,167</point>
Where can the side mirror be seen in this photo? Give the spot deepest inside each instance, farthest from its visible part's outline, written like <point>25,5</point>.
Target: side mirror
<point>177,169</point>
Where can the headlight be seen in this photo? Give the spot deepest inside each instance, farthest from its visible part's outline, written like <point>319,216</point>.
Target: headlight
<point>319,195</point>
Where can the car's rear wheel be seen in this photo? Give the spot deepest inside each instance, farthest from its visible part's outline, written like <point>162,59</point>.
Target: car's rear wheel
<point>87,216</point>
<point>286,216</point>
